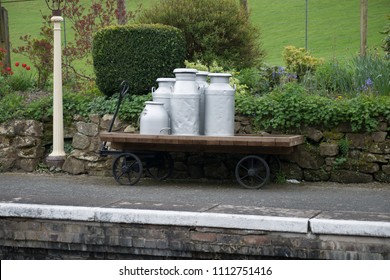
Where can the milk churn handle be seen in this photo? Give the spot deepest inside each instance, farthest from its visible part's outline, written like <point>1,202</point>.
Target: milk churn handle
<point>153,90</point>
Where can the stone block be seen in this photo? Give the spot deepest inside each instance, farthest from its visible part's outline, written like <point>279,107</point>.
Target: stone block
<point>94,118</point>
<point>349,177</point>
<point>308,157</point>
<point>80,141</point>
<point>88,129</point>
<point>315,175</point>
<point>381,176</point>
<point>370,157</point>
<point>380,148</point>
<point>74,166</point>
<point>28,165</point>
<point>204,236</point>
<point>367,167</point>
<point>7,164</point>
<point>359,140</point>
<point>4,142</point>
<point>88,156</point>
<point>7,130</point>
<point>292,171</point>
<point>379,136</point>
<point>329,149</point>
<point>130,129</point>
<point>333,135</point>
<point>25,142</point>
<point>313,134</point>
<point>106,121</point>
<point>386,169</point>
<point>28,128</point>
<point>31,153</point>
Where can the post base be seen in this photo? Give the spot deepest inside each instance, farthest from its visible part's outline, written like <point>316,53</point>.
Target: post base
<point>55,161</point>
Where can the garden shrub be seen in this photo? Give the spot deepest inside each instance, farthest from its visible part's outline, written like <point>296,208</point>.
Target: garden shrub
<point>331,77</point>
<point>386,40</point>
<point>138,53</point>
<point>292,107</point>
<point>299,61</point>
<point>218,30</point>
<point>371,74</point>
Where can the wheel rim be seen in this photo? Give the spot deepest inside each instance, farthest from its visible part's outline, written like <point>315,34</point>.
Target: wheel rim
<point>252,172</point>
<point>160,167</point>
<point>127,169</point>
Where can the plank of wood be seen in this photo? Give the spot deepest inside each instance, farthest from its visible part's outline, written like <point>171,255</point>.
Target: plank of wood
<point>212,141</point>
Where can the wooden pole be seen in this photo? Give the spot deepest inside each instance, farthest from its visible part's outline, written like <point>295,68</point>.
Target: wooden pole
<point>4,36</point>
<point>244,4</point>
<point>363,26</point>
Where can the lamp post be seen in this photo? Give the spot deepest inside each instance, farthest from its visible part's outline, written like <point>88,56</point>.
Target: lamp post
<point>57,157</point>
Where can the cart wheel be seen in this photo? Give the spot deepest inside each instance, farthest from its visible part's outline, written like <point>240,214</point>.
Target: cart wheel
<point>127,169</point>
<point>160,167</point>
<point>252,172</point>
<point>274,164</point>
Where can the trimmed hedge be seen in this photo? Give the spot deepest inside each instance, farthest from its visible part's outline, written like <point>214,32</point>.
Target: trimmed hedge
<point>138,53</point>
<point>217,30</point>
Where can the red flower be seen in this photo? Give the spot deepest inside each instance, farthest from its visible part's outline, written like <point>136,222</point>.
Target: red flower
<point>16,64</point>
<point>24,65</point>
<point>28,68</point>
<point>8,69</point>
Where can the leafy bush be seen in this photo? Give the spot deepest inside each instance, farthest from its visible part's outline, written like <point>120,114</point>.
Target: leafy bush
<point>331,77</point>
<point>299,61</point>
<point>39,52</point>
<point>386,40</point>
<point>292,107</point>
<point>11,107</point>
<point>218,30</point>
<point>138,53</point>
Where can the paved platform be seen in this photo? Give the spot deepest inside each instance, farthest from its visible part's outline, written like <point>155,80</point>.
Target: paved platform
<point>326,208</point>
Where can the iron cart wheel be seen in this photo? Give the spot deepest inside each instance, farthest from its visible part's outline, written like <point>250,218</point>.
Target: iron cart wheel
<point>127,169</point>
<point>252,172</point>
<point>159,167</point>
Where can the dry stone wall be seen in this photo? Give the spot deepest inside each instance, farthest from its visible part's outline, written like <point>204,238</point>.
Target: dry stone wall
<point>337,155</point>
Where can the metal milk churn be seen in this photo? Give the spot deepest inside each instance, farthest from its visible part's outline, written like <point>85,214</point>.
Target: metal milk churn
<point>219,106</point>
<point>154,119</point>
<point>163,92</point>
<point>201,80</point>
<point>185,99</point>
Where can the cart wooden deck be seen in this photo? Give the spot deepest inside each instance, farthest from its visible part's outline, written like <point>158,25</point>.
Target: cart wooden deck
<point>242,144</point>
<point>136,152</point>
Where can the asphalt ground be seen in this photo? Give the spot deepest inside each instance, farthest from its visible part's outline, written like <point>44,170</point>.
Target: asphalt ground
<point>190,195</point>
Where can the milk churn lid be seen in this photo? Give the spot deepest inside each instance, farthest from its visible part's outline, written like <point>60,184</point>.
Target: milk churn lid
<point>220,75</point>
<point>202,73</point>
<point>185,70</point>
<point>166,80</point>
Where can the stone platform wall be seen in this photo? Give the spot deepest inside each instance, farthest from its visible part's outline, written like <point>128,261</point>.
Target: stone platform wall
<point>22,238</point>
<point>337,155</point>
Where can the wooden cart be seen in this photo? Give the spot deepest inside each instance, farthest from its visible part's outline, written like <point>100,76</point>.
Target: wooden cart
<point>135,152</point>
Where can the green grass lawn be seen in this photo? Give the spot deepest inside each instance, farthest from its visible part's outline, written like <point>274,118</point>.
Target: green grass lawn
<point>333,25</point>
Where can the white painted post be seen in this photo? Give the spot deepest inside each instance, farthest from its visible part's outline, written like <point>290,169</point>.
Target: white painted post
<point>57,157</point>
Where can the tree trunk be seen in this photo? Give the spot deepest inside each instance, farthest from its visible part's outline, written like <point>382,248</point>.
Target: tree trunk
<point>121,12</point>
<point>4,37</point>
<point>244,4</point>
